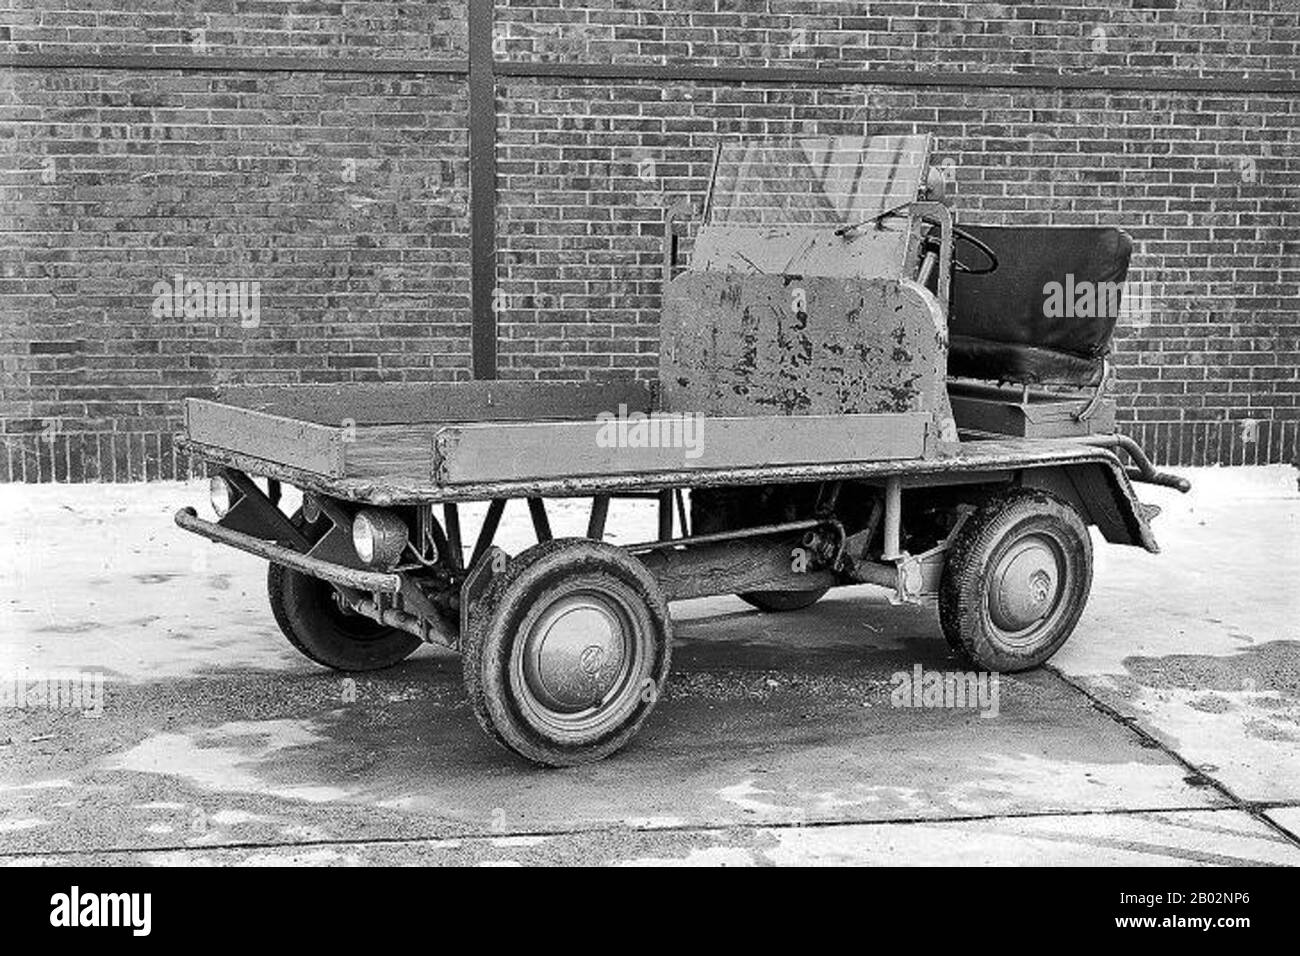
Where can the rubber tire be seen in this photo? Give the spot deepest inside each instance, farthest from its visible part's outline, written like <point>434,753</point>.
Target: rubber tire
<point>493,628</point>
<point>962,592</point>
<point>304,608</point>
<point>776,602</point>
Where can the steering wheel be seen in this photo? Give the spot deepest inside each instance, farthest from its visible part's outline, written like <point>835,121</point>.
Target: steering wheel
<point>961,235</point>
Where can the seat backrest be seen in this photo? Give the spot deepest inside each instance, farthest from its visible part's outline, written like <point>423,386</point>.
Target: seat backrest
<point>1046,315</point>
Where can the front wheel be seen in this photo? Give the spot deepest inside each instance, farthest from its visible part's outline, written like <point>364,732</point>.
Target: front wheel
<point>567,652</point>
<point>309,614</point>
<point>1016,581</point>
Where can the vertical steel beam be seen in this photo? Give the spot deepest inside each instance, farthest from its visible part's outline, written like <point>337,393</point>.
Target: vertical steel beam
<point>599,512</point>
<point>451,517</point>
<point>893,518</point>
<point>487,533</point>
<point>482,188</point>
<point>541,524</point>
<point>666,514</point>
<point>681,512</point>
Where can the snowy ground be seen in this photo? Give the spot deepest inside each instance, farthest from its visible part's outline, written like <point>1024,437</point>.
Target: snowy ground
<point>1166,731</point>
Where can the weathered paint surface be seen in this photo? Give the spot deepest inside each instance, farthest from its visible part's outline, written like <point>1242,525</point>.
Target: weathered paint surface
<point>404,404</point>
<point>539,450</point>
<point>283,440</point>
<point>997,455</point>
<point>773,345</point>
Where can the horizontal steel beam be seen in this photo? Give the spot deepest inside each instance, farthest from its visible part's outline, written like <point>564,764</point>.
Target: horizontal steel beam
<point>229,63</point>
<point>760,531</point>
<point>188,519</point>
<point>660,73</point>
<point>864,76</point>
<point>1001,454</point>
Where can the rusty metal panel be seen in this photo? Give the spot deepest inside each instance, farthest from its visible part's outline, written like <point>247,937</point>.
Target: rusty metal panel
<point>1000,414</point>
<point>763,345</point>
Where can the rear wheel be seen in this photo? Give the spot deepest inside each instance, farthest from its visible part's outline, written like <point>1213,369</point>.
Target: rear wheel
<point>1016,581</point>
<point>567,652</point>
<point>778,601</point>
<point>308,612</point>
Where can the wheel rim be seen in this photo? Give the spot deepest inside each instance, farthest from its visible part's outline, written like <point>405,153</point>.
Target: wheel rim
<point>1026,588</point>
<point>575,660</point>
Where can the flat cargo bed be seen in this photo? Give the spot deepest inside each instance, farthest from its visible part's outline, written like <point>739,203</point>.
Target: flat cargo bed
<point>450,439</point>
<point>383,445</point>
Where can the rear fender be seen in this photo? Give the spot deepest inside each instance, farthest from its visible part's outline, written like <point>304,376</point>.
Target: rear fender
<point>1103,494</point>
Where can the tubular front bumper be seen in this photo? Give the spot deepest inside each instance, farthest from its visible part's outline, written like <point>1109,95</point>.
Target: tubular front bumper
<point>339,574</point>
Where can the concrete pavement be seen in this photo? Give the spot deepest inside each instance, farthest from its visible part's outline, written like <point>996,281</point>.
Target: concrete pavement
<point>1167,731</point>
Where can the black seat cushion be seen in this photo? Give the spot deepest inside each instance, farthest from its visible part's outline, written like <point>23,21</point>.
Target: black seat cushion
<point>1014,325</point>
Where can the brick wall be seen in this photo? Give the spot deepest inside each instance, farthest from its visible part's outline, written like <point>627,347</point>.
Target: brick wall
<point>1130,37</point>
<point>344,193</point>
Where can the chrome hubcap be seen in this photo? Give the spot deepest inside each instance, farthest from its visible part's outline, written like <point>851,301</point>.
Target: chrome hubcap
<point>1026,585</point>
<point>575,653</point>
<point>574,667</point>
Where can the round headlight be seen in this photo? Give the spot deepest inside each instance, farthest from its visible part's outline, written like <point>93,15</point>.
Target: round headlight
<point>222,495</point>
<point>379,537</point>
